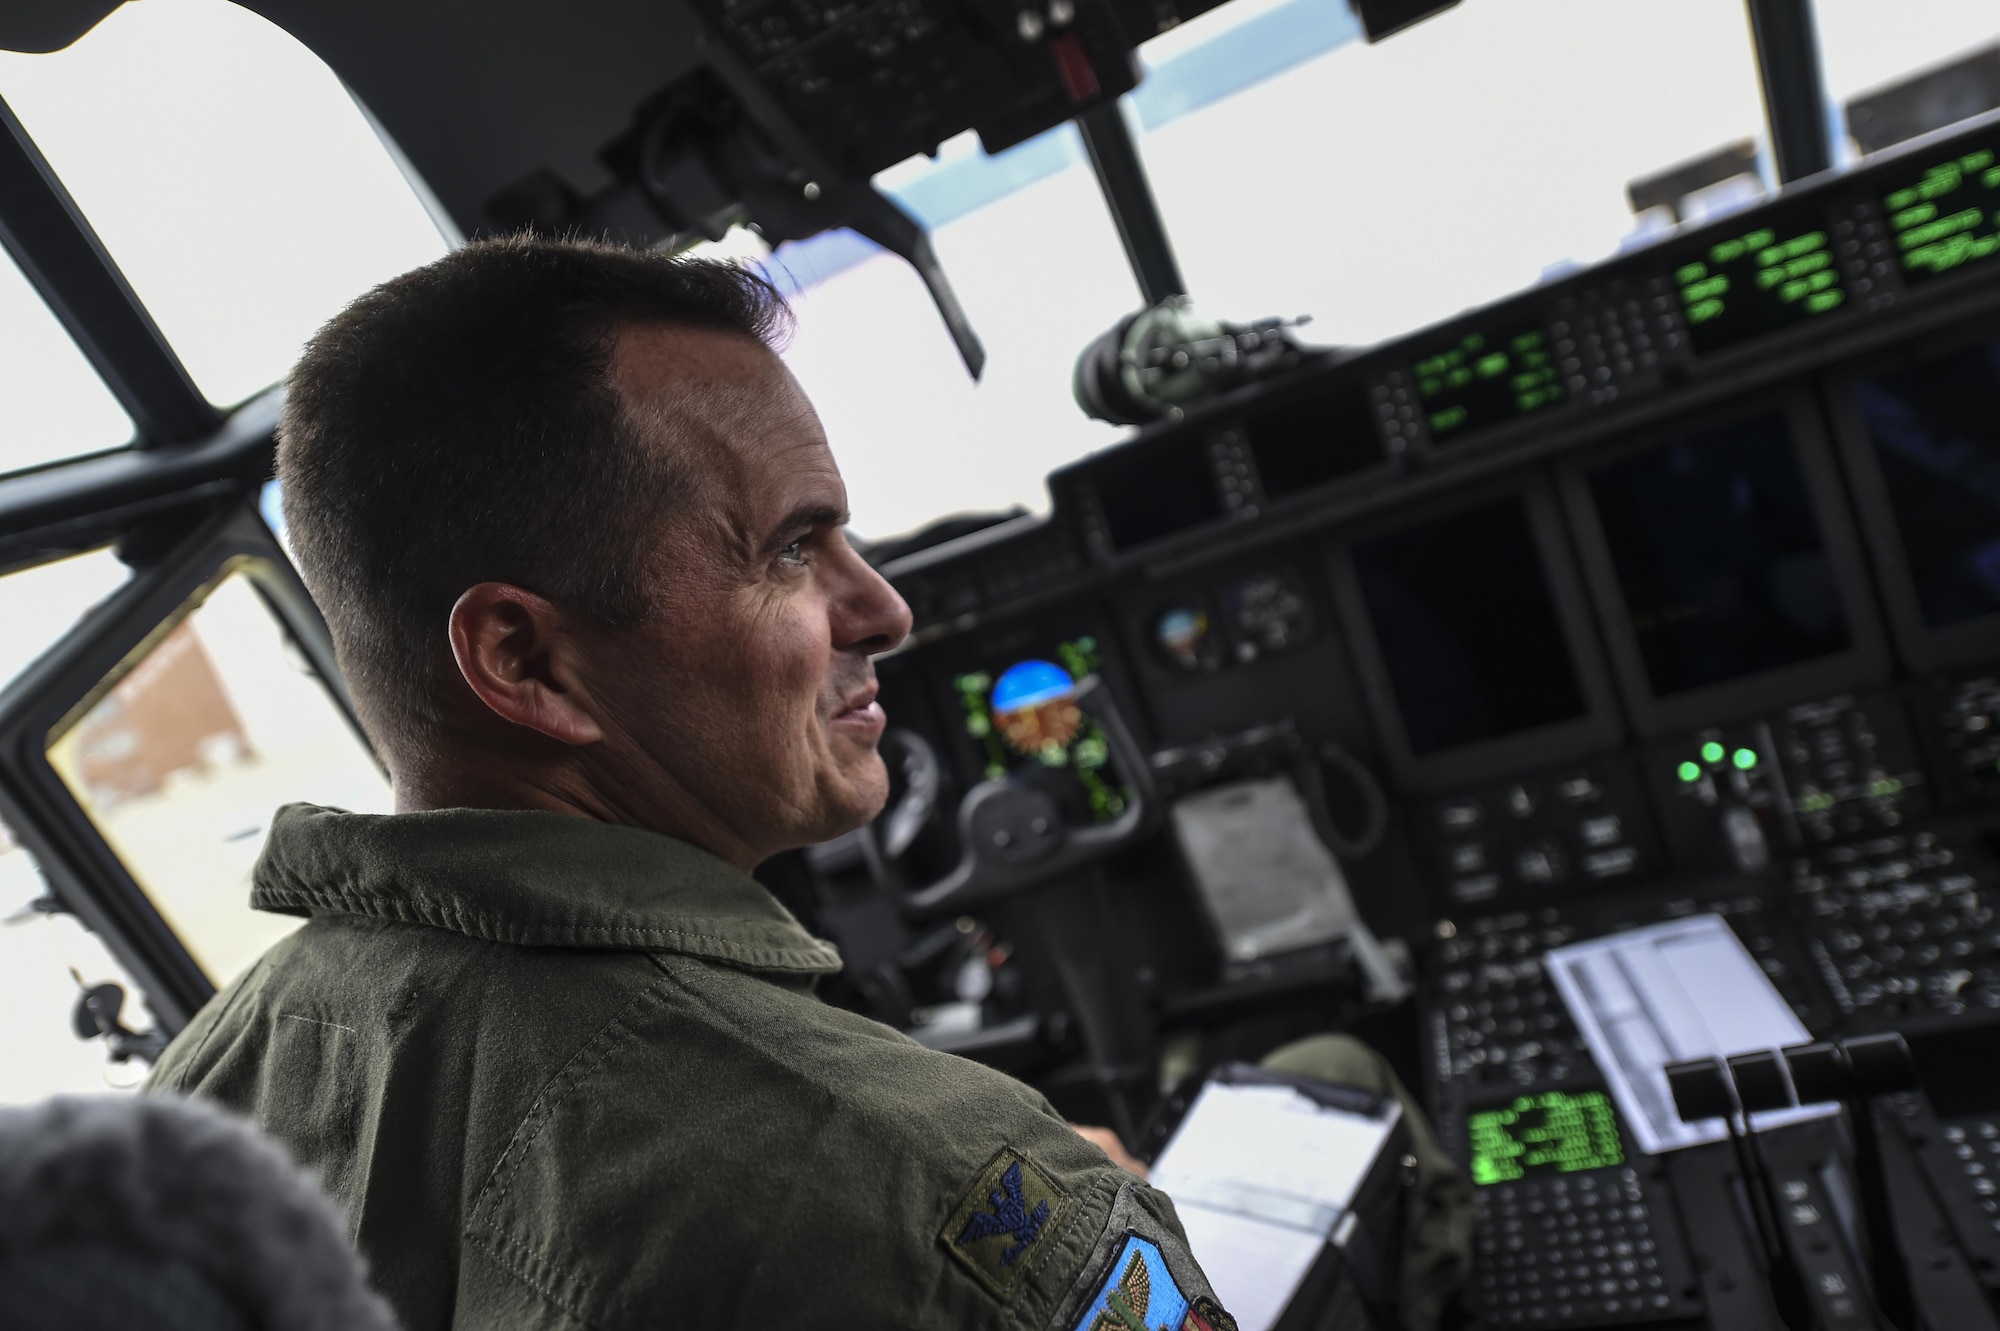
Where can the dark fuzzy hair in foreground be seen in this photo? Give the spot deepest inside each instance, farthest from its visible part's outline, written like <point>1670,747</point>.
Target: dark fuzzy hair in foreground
<point>457,425</point>
<point>138,1213</point>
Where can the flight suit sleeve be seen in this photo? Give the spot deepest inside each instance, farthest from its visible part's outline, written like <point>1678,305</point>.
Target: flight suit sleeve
<point>1064,1246</point>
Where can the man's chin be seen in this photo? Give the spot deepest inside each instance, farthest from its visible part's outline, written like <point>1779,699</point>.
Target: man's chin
<point>848,799</point>
<point>865,794</point>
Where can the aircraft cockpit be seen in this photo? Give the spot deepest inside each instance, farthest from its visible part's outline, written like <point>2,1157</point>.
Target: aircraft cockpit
<point>1475,526</point>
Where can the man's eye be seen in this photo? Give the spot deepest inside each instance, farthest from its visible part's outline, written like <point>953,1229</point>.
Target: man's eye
<point>794,553</point>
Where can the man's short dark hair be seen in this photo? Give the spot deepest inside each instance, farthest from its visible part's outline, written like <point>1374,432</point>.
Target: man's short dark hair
<point>458,425</point>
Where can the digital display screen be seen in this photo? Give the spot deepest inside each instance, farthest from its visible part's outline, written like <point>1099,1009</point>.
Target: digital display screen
<point>1936,431</point>
<point>1555,1132</point>
<point>1719,555</point>
<point>1027,724</point>
<point>1468,628</point>
<point>1313,441</point>
<point>1484,379</point>
<point>1759,282</point>
<point>1157,490</point>
<point>1948,216</point>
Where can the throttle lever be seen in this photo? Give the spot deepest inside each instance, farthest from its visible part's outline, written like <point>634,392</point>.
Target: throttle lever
<point>1012,836</point>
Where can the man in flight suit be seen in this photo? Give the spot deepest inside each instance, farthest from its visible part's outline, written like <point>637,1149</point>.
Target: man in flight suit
<point>578,536</point>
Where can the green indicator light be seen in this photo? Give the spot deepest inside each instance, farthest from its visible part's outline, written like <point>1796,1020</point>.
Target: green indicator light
<point>1745,759</point>
<point>1824,301</point>
<point>1712,752</point>
<point>1690,772</point>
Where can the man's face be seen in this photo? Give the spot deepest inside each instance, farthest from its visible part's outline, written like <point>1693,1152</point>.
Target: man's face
<point>748,692</point>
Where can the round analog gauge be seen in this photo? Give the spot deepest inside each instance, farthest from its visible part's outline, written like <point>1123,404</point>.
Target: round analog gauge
<point>1186,639</point>
<point>1268,612</point>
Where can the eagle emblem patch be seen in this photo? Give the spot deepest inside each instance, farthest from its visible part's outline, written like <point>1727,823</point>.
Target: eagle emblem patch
<point>1139,1294</point>
<point>1002,1225</point>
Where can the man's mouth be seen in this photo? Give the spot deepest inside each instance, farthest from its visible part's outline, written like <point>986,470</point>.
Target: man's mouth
<point>861,713</point>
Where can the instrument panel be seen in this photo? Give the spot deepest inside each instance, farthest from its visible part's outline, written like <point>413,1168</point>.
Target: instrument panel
<point>1670,587</point>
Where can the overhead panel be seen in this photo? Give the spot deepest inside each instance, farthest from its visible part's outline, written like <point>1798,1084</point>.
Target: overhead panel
<point>874,83</point>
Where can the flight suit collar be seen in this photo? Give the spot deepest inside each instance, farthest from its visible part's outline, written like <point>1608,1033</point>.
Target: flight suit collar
<point>531,878</point>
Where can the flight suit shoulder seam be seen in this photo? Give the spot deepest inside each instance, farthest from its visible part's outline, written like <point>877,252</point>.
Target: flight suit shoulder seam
<point>483,1224</point>
<point>531,1268</point>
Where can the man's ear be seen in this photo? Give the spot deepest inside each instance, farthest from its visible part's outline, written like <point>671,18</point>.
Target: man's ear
<point>518,656</point>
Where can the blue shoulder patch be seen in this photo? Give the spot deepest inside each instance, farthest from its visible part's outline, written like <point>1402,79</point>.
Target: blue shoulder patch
<point>1137,1294</point>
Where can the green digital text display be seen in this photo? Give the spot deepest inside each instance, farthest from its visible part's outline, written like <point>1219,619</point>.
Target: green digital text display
<point>1948,216</point>
<point>1485,378</point>
<point>1554,1132</point>
<point>1759,282</point>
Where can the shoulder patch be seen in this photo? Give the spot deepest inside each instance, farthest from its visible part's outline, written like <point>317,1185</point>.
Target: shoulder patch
<point>996,1232</point>
<point>1138,1293</point>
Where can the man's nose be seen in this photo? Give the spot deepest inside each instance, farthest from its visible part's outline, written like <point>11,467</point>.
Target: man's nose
<point>872,617</point>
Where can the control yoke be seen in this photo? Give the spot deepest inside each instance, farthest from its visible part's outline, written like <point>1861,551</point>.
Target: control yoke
<point>1013,836</point>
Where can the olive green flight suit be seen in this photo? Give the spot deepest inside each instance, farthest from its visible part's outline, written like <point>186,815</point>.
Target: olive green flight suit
<point>562,1074</point>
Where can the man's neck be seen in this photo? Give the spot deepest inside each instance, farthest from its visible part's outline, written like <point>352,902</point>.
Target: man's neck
<point>499,784</point>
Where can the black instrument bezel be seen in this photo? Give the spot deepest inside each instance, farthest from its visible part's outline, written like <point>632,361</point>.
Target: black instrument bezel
<point>1921,646</point>
<point>1484,760</point>
<point>1866,660</point>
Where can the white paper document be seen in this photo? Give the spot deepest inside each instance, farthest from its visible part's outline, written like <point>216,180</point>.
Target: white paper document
<point>1674,991</point>
<point>1261,1176</point>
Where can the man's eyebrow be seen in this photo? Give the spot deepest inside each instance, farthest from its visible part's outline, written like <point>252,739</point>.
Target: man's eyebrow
<point>807,515</point>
